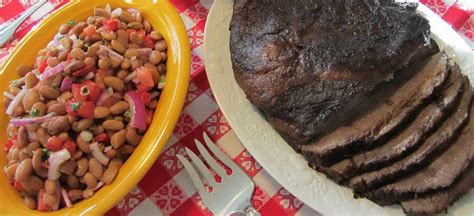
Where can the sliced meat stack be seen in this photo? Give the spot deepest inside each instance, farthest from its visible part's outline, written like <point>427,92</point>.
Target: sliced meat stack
<point>360,90</point>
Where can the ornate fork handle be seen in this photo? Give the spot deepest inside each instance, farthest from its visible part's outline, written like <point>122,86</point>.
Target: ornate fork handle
<point>247,211</point>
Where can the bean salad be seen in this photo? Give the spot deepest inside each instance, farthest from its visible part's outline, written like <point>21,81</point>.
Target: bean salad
<point>79,112</point>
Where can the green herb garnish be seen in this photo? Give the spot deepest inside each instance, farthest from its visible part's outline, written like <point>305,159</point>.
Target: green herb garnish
<point>72,23</point>
<point>45,155</point>
<point>75,106</point>
<point>34,113</point>
<point>128,114</point>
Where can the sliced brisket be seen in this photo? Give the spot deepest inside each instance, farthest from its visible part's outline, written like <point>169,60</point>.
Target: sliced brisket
<point>383,119</point>
<point>440,174</point>
<point>439,202</point>
<point>430,149</point>
<point>408,140</point>
<point>304,62</point>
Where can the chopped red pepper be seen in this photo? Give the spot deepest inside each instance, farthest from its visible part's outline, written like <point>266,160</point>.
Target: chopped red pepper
<point>41,64</point>
<point>41,205</point>
<point>84,71</point>
<point>70,146</point>
<point>148,42</point>
<point>86,110</point>
<point>76,92</point>
<point>111,24</point>
<point>146,97</point>
<point>103,137</point>
<point>54,144</point>
<point>145,76</point>
<point>17,186</point>
<point>94,90</point>
<point>10,143</point>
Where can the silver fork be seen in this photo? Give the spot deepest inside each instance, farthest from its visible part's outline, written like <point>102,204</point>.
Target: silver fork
<point>232,195</point>
<point>7,31</point>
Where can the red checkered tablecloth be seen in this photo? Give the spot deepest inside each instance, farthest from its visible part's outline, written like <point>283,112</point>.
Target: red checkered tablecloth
<point>166,189</point>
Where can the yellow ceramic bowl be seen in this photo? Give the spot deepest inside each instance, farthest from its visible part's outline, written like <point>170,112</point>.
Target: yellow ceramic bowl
<point>164,18</point>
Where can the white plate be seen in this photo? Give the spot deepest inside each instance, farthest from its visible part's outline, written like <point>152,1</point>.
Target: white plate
<point>271,151</point>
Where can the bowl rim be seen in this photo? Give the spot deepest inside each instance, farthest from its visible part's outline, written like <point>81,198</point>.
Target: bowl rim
<point>169,106</point>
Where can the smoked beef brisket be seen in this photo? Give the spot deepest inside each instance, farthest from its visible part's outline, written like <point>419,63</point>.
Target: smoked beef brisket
<point>306,62</point>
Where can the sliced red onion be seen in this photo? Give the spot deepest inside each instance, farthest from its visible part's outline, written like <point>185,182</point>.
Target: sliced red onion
<point>99,185</point>
<point>52,71</point>
<point>133,10</point>
<point>107,8</point>
<point>144,52</point>
<point>89,76</point>
<point>8,95</point>
<point>18,98</point>
<point>66,84</point>
<point>55,160</point>
<point>98,154</point>
<point>116,12</point>
<point>137,106</point>
<point>35,120</point>
<point>131,76</point>
<point>136,80</point>
<point>154,94</point>
<point>111,52</point>
<point>66,198</point>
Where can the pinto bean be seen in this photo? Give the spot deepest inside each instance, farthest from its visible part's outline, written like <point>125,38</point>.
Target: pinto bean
<point>82,125</point>
<point>72,182</point>
<point>161,45</point>
<point>82,166</point>
<point>155,57</point>
<point>50,186</point>
<point>118,46</point>
<point>48,92</point>
<point>119,108</point>
<point>87,193</point>
<point>131,52</point>
<point>43,136</point>
<point>49,199</point>
<point>126,149</point>
<point>64,29</point>
<point>127,17</point>
<point>75,195</point>
<point>117,162</point>
<point>24,170</point>
<point>36,160</point>
<point>32,183</point>
<point>31,97</point>
<point>90,180</point>
<point>101,112</point>
<point>58,125</point>
<point>101,12</point>
<point>83,145</point>
<point>40,108</point>
<point>104,63</point>
<point>22,137</point>
<point>79,28</point>
<point>118,139</point>
<point>68,167</point>
<point>24,156</point>
<point>109,175</point>
<point>22,70</point>
<point>30,202</point>
<point>95,168</point>
<point>30,148</point>
<point>11,170</point>
<point>59,109</point>
<point>113,125</point>
<point>115,83</point>
<point>31,80</point>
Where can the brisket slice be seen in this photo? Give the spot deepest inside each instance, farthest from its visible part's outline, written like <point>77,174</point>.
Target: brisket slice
<point>440,174</point>
<point>431,148</point>
<point>440,201</point>
<point>303,62</point>
<point>384,118</point>
<point>408,139</point>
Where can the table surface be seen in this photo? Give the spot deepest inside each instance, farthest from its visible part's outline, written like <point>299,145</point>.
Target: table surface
<point>167,189</point>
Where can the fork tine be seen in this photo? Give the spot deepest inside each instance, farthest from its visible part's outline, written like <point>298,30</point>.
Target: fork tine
<point>202,168</point>
<point>219,154</point>
<point>192,173</point>
<point>212,163</point>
